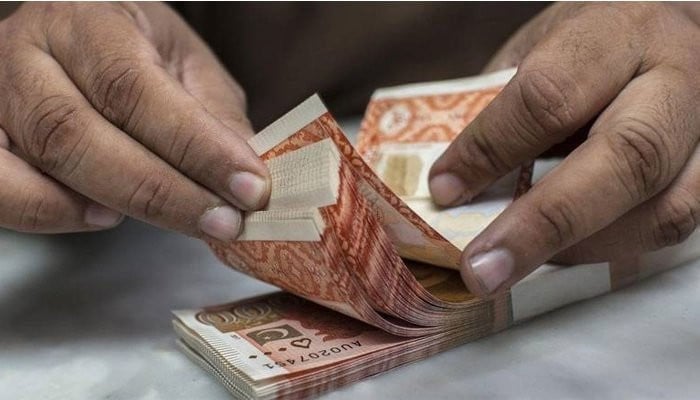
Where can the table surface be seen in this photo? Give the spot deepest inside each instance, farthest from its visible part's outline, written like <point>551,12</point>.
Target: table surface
<point>87,316</point>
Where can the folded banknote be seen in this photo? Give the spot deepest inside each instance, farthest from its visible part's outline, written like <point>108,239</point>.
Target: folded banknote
<point>367,262</point>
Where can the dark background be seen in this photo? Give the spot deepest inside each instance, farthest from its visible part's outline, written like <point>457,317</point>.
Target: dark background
<point>283,52</point>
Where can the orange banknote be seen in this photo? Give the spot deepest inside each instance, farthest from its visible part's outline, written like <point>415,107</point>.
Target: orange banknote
<point>279,345</point>
<point>370,262</point>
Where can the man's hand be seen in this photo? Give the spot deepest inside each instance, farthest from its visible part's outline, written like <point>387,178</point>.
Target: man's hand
<point>633,186</point>
<point>119,108</point>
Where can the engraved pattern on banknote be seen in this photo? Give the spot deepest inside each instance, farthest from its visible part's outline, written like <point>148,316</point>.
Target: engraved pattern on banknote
<point>437,118</point>
<point>278,307</point>
<point>300,267</point>
<point>246,315</point>
<point>328,326</point>
<point>325,127</point>
<point>365,246</point>
<point>327,271</point>
<point>271,334</point>
<point>328,125</point>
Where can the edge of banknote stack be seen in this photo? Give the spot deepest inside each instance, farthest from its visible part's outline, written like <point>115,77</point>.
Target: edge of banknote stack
<point>346,231</point>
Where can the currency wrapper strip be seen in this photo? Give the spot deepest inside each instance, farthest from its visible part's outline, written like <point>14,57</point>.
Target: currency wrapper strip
<point>316,185</point>
<point>550,287</point>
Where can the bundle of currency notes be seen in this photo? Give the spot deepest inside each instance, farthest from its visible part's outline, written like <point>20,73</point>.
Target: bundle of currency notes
<point>368,263</point>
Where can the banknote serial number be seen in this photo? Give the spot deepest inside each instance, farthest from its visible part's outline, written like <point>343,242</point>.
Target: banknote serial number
<point>315,355</point>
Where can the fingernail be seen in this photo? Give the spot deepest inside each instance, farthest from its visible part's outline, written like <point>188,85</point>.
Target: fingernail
<point>492,268</point>
<point>223,223</point>
<point>446,188</point>
<point>101,216</point>
<point>249,189</point>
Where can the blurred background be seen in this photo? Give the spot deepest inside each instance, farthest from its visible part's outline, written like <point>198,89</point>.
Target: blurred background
<point>283,52</point>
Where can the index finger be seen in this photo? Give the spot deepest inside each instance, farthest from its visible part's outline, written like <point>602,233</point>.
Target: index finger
<point>57,131</point>
<point>636,148</point>
<point>564,82</point>
<point>126,79</point>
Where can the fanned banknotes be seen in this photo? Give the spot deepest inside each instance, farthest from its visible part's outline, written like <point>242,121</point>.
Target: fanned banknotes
<point>369,263</point>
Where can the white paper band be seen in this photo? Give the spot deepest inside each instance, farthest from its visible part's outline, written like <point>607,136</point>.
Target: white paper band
<point>551,287</point>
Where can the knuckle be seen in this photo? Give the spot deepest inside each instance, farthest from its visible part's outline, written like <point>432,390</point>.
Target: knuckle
<point>646,14</point>
<point>135,15</point>
<point>632,17</point>
<point>557,221</point>
<point>35,215</point>
<point>18,78</point>
<point>184,151</point>
<point>241,96</point>
<point>479,150</point>
<point>150,199</point>
<point>547,98</point>
<point>118,87</point>
<point>52,132</point>
<point>676,219</point>
<point>642,158</point>
<point>130,9</point>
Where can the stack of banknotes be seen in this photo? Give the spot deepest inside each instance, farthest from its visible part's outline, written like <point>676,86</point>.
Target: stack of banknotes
<point>368,264</point>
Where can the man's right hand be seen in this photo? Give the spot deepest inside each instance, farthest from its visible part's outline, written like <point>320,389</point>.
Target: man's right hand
<point>120,109</point>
